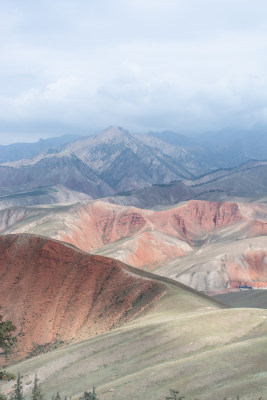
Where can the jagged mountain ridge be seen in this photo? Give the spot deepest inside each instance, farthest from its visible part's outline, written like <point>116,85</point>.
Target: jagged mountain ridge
<point>115,157</point>
<point>115,149</point>
<point>116,161</point>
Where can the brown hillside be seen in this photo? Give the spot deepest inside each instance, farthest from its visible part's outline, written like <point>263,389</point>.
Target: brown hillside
<point>52,291</point>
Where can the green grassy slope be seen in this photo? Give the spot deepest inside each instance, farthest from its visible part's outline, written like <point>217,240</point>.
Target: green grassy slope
<point>185,341</point>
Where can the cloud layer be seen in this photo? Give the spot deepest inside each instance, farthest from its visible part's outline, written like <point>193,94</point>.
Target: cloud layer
<point>77,66</point>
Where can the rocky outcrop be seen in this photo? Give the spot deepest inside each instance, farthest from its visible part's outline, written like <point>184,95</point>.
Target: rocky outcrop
<point>198,217</point>
<point>53,292</point>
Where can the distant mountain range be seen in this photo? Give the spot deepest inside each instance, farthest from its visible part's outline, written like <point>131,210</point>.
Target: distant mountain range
<point>18,151</point>
<point>224,149</point>
<point>116,161</point>
<point>101,165</point>
<point>247,181</point>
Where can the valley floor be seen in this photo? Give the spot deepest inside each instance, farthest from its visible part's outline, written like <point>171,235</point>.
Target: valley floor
<point>255,298</point>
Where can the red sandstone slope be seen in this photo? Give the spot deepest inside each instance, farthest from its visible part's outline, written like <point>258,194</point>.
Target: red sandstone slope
<point>190,222</point>
<point>52,291</point>
<point>142,238</point>
<point>251,268</point>
<point>153,238</point>
<point>157,239</point>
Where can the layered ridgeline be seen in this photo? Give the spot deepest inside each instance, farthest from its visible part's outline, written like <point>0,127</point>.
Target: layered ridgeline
<point>149,333</point>
<point>222,149</point>
<point>61,181</point>
<point>206,245</point>
<point>100,165</point>
<point>247,183</point>
<point>115,162</point>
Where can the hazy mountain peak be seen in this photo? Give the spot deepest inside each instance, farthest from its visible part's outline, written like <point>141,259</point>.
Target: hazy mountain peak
<point>114,131</point>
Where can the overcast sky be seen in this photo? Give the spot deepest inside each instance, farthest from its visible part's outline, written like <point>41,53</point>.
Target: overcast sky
<point>77,66</point>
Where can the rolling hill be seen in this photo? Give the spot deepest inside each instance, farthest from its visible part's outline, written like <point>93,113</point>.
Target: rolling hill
<point>163,334</point>
<point>53,292</point>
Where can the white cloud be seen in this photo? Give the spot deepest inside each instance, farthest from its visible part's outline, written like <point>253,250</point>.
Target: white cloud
<point>163,64</point>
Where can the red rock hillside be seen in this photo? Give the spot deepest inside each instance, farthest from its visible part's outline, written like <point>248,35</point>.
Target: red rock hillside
<point>52,291</point>
<point>250,269</point>
<point>142,238</point>
<point>154,238</point>
<point>111,223</point>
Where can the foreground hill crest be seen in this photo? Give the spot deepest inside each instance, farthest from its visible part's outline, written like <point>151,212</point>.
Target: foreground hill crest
<point>55,292</point>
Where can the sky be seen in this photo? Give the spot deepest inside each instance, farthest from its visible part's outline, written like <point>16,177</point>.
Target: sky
<point>78,66</point>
